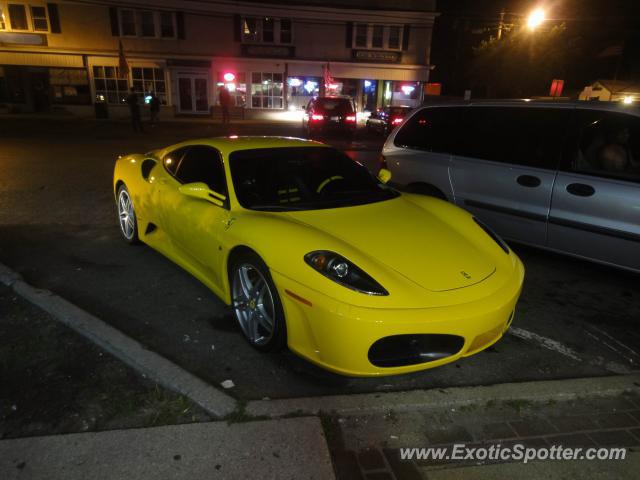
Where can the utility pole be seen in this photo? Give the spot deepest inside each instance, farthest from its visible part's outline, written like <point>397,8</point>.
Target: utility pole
<point>501,25</point>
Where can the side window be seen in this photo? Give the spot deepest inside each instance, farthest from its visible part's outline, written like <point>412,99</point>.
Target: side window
<point>172,159</point>
<point>203,164</point>
<point>432,129</point>
<point>532,136</point>
<point>608,145</point>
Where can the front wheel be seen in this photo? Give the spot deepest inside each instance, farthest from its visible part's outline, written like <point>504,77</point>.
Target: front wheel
<point>256,304</point>
<point>127,216</point>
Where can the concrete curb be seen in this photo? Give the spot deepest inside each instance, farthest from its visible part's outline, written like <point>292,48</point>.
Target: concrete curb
<point>538,391</point>
<point>146,362</point>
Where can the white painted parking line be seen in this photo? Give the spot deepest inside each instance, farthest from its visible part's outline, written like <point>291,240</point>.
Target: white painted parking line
<point>545,342</point>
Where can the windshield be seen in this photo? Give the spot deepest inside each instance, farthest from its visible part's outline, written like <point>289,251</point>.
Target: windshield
<point>302,178</point>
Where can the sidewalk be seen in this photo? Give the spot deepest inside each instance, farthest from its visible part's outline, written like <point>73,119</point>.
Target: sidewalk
<point>368,445</point>
<point>284,449</point>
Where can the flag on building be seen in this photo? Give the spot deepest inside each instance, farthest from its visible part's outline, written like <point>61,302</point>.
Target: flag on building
<point>123,66</point>
<point>326,74</point>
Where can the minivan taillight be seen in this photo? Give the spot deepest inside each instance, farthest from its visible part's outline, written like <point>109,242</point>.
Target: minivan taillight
<point>350,118</point>
<point>396,121</point>
<point>317,117</point>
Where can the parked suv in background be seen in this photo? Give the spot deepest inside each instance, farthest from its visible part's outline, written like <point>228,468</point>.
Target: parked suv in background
<point>562,176</point>
<point>325,114</point>
<point>386,119</point>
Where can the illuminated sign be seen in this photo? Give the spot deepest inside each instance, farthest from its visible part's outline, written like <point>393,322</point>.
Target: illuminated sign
<point>376,56</point>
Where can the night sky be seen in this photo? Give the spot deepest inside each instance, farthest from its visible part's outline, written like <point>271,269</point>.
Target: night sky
<point>593,26</point>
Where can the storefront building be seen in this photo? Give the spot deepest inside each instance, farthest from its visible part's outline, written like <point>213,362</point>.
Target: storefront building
<point>270,56</point>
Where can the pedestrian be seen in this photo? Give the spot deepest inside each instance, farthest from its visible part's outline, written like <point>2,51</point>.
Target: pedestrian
<point>225,104</point>
<point>154,108</point>
<point>134,110</point>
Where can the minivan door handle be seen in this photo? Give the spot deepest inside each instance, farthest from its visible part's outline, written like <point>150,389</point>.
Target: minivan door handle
<point>529,181</point>
<point>580,189</point>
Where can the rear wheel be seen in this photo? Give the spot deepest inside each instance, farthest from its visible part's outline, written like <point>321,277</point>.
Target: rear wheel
<point>127,216</point>
<point>256,304</point>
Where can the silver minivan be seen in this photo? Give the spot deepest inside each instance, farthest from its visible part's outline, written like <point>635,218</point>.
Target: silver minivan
<point>562,176</point>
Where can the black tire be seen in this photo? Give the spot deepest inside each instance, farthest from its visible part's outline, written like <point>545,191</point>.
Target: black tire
<point>278,338</point>
<point>129,236</point>
<point>426,189</point>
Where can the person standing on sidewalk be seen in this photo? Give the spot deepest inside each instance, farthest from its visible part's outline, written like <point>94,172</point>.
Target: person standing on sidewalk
<point>134,109</point>
<point>154,108</point>
<point>225,104</point>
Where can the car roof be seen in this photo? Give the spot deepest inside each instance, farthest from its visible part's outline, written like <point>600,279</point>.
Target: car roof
<point>227,145</point>
<point>533,103</point>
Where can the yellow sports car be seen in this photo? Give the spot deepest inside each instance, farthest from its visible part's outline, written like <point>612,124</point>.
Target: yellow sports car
<point>313,252</point>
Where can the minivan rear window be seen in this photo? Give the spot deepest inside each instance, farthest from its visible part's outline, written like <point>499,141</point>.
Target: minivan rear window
<point>334,105</point>
<point>431,129</point>
<point>530,136</point>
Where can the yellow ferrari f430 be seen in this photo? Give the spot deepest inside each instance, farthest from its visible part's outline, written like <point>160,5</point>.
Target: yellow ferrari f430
<point>313,252</point>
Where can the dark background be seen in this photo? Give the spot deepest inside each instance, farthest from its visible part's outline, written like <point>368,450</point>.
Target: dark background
<point>590,28</point>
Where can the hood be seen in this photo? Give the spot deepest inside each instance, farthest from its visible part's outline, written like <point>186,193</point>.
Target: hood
<point>407,238</point>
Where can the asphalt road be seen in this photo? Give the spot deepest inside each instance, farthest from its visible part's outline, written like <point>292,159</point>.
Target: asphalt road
<point>58,228</point>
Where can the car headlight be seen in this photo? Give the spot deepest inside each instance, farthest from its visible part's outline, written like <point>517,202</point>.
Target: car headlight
<point>344,272</point>
<point>503,245</point>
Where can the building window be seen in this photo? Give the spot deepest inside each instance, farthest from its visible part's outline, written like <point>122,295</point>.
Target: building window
<point>167,25</point>
<point>39,19</point>
<point>18,17</point>
<point>110,85</point>
<point>285,30</point>
<point>266,90</point>
<point>147,80</point>
<point>379,37</point>
<point>250,30</point>
<point>70,86</point>
<point>128,23</point>
<point>394,37</point>
<point>266,30</point>
<point>361,35</point>
<point>3,24</point>
<point>147,24</point>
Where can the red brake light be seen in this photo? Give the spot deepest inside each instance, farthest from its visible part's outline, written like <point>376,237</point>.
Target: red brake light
<point>316,116</point>
<point>350,118</point>
<point>396,120</point>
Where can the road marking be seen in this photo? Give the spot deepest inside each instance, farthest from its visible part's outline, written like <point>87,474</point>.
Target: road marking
<point>545,342</point>
<point>617,342</point>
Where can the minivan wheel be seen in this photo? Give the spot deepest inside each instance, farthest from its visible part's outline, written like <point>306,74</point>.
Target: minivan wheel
<point>426,189</point>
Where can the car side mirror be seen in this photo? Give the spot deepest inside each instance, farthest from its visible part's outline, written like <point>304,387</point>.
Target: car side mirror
<point>384,175</point>
<point>202,191</point>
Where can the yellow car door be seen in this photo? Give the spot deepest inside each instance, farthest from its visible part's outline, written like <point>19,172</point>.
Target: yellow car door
<point>195,223</point>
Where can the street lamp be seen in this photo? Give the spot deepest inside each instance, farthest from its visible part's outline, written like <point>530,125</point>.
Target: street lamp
<point>536,18</point>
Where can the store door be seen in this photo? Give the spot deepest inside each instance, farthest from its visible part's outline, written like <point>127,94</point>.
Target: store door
<point>193,94</point>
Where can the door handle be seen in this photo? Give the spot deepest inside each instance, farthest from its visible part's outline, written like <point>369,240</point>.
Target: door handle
<point>529,181</point>
<point>580,189</point>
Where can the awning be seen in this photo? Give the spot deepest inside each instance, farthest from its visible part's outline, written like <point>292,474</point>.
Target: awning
<point>41,59</point>
<point>413,73</point>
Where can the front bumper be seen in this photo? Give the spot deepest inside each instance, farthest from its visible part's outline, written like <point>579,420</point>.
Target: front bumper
<point>338,336</point>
